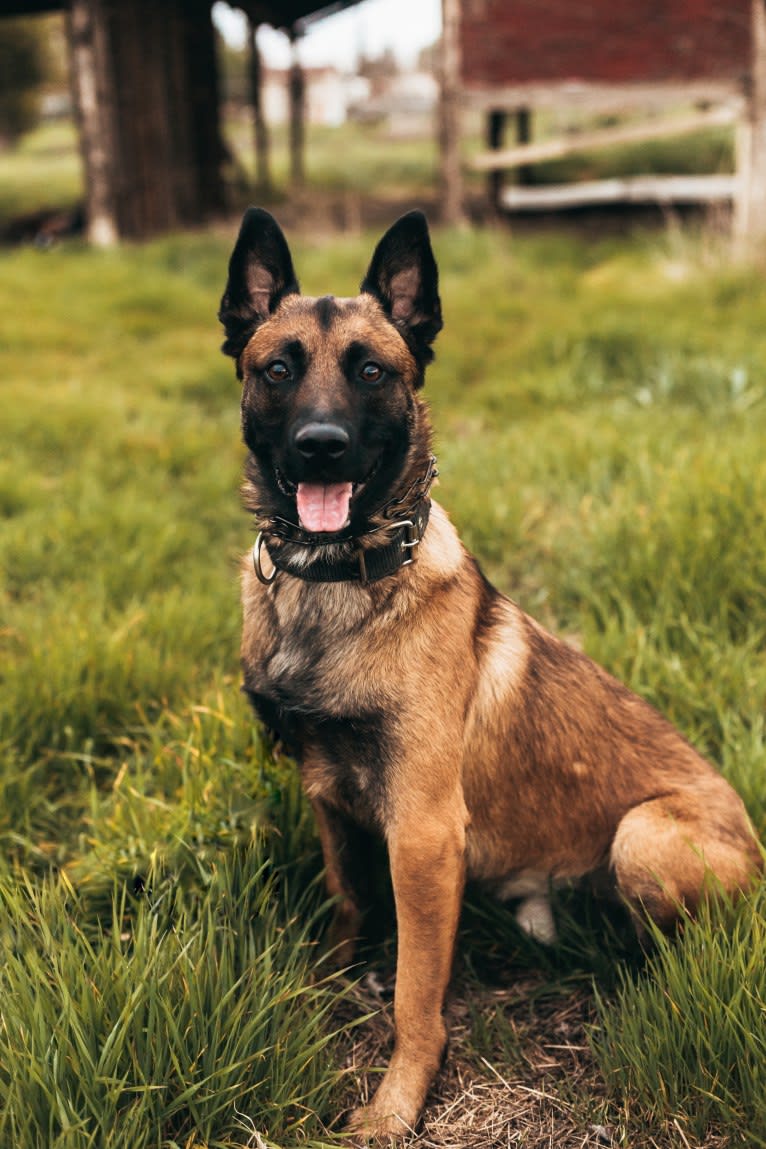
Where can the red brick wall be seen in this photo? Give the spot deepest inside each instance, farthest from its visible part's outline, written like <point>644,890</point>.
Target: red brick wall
<point>617,41</point>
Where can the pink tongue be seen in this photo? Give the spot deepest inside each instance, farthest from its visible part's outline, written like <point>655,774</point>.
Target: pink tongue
<point>323,506</point>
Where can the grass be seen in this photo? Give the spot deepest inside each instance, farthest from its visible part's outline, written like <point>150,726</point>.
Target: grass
<point>600,414</point>
<point>184,1018</point>
<point>42,172</point>
<point>652,1043</point>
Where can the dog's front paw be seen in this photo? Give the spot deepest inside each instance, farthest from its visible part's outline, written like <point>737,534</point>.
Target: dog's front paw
<point>367,1126</point>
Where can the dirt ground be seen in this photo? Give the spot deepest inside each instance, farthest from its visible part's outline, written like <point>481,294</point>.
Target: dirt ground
<point>538,1088</point>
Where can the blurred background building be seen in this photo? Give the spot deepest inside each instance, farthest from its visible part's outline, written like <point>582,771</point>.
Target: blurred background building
<point>178,103</point>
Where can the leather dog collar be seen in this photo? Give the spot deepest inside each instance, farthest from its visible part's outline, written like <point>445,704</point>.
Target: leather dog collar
<point>406,519</point>
<point>364,565</point>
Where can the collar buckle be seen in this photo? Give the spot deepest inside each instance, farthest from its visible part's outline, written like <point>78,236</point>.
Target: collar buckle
<point>410,541</point>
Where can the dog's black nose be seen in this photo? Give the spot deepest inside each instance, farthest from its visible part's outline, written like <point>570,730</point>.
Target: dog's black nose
<point>321,441</point>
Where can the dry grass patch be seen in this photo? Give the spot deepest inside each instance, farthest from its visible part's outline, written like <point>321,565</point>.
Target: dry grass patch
<point>534,1084</point>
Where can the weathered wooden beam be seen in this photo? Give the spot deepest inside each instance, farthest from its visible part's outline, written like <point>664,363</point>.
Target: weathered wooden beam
<point>261,140</point>
<point>202,106</point>
<point>603,98</point>
<point>524,138</point>
<point>495,136</point>
<point>147,104</point>
<point>94,117</point>
<point>297,128</point>
<point>630,189</point>
<point>449,115</point>
<point>750,216</point>
<point>592,141</point>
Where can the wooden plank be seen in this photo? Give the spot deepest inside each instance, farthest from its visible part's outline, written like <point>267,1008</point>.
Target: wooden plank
<point>632,189</point>
<point>594,98</point>
<point>591,141</point>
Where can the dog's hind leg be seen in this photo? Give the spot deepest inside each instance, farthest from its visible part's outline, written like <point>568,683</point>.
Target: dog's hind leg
<point>535,917</point>
<point>346,849</point>
<point>671,851</point>
<point>533,913</point>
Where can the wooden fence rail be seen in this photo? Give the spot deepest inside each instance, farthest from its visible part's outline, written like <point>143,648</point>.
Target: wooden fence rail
<point>497,159</point>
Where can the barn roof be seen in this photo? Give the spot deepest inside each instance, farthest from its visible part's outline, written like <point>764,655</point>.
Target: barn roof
<point>279,13</point>
<point>29,7</point>
<point>291,13</point>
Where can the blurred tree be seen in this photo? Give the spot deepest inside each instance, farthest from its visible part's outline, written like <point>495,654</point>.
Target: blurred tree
<point>23,66</point>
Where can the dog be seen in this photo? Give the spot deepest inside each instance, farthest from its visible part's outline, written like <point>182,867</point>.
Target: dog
<point>422,705</point>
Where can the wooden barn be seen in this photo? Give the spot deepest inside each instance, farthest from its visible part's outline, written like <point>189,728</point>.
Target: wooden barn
<point>636,57</point>
<point>508,43</point>
<point>147,104</point>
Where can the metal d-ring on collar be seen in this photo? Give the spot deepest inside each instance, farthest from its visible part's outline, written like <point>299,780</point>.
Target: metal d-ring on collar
<point>267,580</point>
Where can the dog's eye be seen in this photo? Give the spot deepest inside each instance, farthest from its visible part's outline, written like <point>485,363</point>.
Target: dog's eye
<point>371,373</point>
<point>277,372</point>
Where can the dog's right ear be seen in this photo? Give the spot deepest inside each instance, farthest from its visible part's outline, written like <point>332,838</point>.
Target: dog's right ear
<point>404,279</point>
<point>260,275</point>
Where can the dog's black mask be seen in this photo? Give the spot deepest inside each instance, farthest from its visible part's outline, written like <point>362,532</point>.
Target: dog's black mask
<point>329,385</point>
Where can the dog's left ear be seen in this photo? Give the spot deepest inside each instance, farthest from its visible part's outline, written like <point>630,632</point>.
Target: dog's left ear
<point>404,278</point>
<point>260,276</point>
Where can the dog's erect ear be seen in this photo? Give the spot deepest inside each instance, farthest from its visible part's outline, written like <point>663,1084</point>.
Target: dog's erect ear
<point>260,275</point>
<point>404,278</point>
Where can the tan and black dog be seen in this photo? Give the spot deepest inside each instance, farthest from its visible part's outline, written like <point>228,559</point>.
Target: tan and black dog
<point>421,704</point>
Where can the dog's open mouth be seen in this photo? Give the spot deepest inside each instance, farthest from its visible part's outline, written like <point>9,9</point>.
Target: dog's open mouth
<point>323,507</point>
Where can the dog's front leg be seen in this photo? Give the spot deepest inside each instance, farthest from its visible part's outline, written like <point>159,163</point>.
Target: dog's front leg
<point>426,851</point>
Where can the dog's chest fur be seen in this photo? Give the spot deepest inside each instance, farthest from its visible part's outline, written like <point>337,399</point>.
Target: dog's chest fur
<point>303,643</point>
<point>308,656</point>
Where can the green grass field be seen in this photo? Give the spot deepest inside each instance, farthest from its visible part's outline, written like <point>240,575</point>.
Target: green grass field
<point>600,410</point>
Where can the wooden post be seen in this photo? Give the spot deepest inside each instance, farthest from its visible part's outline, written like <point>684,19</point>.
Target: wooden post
<point>750,223</point>
<point>261,139</point>
<point>496,119</point>
<point>496,124</point>
<point>743,155</point>
<point>449,115</point>
<point>297,94</point>
<point>202,108</point>
<point>524,136</point>
<point>85,32</point>
<point>146,97</point>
